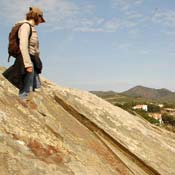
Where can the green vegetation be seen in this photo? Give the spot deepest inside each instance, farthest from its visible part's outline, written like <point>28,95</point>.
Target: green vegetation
<point>169,105</point>
<point>144,114</point>
<point>153,108</point>
<point>148,96</point>
<point>168,119</point>
<point>127,106</point>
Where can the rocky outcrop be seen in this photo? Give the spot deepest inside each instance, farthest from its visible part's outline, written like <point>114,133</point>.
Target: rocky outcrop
<point>67,131</point>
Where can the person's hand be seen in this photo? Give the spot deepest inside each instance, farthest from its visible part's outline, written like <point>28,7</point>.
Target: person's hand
<point>29,69</point>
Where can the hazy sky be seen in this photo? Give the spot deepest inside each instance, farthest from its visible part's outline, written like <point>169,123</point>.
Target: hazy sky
<point>101,44</point>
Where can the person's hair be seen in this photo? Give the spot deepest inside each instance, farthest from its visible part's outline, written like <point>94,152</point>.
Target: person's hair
<point>32,15</point>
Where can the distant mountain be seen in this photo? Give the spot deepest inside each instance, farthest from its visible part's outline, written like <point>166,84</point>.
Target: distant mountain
<point>138,94</point>
<point>148,93</point>
<point>161,95</point>
<point>104,93</point>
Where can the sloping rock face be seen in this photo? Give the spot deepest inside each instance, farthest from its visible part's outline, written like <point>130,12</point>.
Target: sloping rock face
<point>63,131</point>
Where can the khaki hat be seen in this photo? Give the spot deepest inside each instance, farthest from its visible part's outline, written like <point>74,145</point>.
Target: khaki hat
<point>38,11</point>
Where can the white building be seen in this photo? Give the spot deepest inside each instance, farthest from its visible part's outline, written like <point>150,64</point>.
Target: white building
<point>161,105</point>
<point>143,107</point>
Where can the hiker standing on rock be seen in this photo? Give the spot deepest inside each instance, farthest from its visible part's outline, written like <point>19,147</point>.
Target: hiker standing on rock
<point>24,74</point>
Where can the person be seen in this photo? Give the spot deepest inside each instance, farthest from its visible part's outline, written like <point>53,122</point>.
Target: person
<point>27,67</point>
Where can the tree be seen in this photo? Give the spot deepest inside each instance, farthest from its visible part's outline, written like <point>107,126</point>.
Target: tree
<point>146,116</point>
<point>168,119</point>
<point>153,108</point>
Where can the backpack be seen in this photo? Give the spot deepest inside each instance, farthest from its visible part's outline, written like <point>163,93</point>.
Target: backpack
<point>13,46</point>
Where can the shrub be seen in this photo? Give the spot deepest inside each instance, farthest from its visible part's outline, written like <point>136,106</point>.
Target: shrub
<point>168,119</point>
<point>146,116</point>
<point>153,108</point>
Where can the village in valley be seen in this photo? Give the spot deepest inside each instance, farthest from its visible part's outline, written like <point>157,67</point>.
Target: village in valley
<point>157,106</point>
<point>156,114</point>
<point>162,115</point>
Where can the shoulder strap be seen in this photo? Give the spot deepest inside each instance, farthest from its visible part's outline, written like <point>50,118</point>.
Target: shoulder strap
<point>30,28</point>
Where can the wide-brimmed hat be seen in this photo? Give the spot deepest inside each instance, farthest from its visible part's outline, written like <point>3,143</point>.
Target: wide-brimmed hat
<point>38,11</point>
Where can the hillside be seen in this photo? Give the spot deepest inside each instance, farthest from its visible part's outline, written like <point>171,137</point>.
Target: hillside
<point>64,131</point>
<point>138,94</point>
<point>151,93</point>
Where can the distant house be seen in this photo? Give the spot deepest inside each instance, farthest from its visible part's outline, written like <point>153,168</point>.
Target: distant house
<point>161,105</point>
<point>141,106</point>
<point>157,116</point>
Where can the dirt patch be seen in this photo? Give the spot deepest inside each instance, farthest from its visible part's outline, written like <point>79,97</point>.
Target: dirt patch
<point>46,153</point>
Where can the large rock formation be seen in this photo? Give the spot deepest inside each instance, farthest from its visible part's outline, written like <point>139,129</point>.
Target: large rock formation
<point>63,131</point>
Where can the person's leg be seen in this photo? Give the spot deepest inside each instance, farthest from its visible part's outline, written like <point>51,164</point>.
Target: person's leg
<point>28,85</point>
<point>36,81</point>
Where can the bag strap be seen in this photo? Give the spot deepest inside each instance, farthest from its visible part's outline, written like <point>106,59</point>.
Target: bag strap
<point>30,29</point>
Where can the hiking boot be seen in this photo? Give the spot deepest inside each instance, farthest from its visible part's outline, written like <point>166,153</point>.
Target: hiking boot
<point>22,102</point>
<point>31,104</point>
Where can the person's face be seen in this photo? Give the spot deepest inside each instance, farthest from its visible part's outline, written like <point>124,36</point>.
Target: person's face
<point>39,20</point>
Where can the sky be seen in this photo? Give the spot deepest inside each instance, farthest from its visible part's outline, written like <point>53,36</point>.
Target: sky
<point>100,44</point>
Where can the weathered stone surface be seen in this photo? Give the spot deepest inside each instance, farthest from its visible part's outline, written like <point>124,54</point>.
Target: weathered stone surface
<point>68,131</point>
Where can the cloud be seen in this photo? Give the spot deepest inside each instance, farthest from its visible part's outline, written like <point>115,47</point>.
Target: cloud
<point>102,25</point>
<point>61,12</point>
<point>164,17</point>
<point>125,5</point>
<point>124,46</point>
<point>12,10</point>
<point>129,9</point>
<point>66,15</point>
<point>112,25</point>
<point>88,29</point>
<point>134,15</point>
<point>130,15</point>
<point>165,21</point>
<point>145,52</point>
